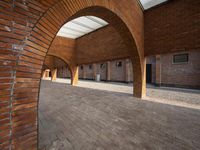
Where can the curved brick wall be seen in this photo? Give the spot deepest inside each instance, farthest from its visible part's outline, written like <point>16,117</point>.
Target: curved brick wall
<point>27,29</point>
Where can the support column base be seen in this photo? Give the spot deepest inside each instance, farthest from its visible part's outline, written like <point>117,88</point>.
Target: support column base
<point>74,75</point>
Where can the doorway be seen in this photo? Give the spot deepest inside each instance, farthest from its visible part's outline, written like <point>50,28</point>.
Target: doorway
<point>149,73</point>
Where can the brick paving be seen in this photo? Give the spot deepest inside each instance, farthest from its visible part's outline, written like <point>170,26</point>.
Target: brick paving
<point>169,95</point>
<point>82,118</point>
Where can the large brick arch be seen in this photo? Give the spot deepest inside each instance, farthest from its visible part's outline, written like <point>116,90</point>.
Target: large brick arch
<point>49,61</point>
<point>29,29</point>
<point>67,62</point>
<point>50,65</point>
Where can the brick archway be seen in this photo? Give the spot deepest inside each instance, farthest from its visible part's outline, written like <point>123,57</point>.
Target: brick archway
<point>72,68</point>
<point>30,27</point>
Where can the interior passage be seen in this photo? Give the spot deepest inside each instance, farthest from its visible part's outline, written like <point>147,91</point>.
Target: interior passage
<point>81,118</point>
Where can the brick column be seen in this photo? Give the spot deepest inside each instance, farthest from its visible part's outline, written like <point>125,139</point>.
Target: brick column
<point>108,71</point>
<point>139,71</point>
<point>94,71</point>
<point>53,74</point>
<point>84,72</point>
<point>44,74</point>
<point>74,75</point>
<point>61,73</point>
<point>47,73</point>
<point>158,70</point>
<point>127,71</point>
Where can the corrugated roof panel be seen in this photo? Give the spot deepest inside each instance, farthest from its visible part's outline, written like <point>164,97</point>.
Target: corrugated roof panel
<point>151,3</point>
<point>81,26</point>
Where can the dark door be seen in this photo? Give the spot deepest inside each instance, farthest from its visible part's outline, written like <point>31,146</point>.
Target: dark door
<point>49,73</point>
<point>148,73</point>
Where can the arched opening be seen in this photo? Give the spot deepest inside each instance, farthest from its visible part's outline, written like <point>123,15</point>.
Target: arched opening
<point>33,45</point>
<point>46,72</point>
<point>135,54</point>
<point>95,119</point>
<point>55,68</point>
<point>84,57</point>
<point>64,74</point>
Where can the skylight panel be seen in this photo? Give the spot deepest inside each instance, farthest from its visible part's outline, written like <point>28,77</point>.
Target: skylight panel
<point>76,26</point>
<point>151,3</point>
<point>88,23</point>
<point>71,31</point>
<point>67,35</point>
<point>97,20</point>
<point>81,26</point>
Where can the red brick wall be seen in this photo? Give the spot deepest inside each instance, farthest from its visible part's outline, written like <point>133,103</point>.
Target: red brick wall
<point>89,72</point>
<point>179,75</point>
<point>86,72</point>
<point>118,73</point>
<point>27,29</point>
<point>152,60</point>
<point>186,74</point>
<point>105,44</point>
<point>131,72</point>
<point>63,72</point>
<point>64,48</point>
<point>172,27</point>
<point>80,72</point>
<point>102,71</point>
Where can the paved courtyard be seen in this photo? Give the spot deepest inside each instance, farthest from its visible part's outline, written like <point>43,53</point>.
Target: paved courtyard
<point>105,116</point>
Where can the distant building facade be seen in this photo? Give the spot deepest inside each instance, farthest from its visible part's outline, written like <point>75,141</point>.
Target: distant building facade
<point>177,70</point>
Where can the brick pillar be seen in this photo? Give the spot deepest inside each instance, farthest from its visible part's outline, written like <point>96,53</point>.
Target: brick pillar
<point>65,71</point>
<point>127,71</point>
<point>74,75</point>
<point>139,71</point>
<point>44,74</point>
<point>84,72</point>
<point>47,73</point>
<point>108,71</point>
<point>62,72</point>
<point>158,70</point>
<point>53,74</point>
<point>94,71</point>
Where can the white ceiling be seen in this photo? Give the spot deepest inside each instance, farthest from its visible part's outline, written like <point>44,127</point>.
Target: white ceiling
<point>81,26</point>
<point>151,3</point>
<point>86,24</point>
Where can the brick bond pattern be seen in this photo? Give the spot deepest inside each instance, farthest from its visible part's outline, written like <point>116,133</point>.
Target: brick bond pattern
<point>172,27</point>
<point>27,29</point>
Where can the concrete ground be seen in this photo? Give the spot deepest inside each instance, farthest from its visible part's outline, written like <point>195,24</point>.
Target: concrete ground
<point>104,116</point>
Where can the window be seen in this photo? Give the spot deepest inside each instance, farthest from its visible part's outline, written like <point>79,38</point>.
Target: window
<point>90,66</point>
<point>102,66</point>
<point>180,58</point>
<point>81,67</point>
<point>118,64</point>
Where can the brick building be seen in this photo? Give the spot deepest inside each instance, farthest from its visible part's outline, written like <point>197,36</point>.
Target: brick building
<point>31,31</point>
<point>161,70</point>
